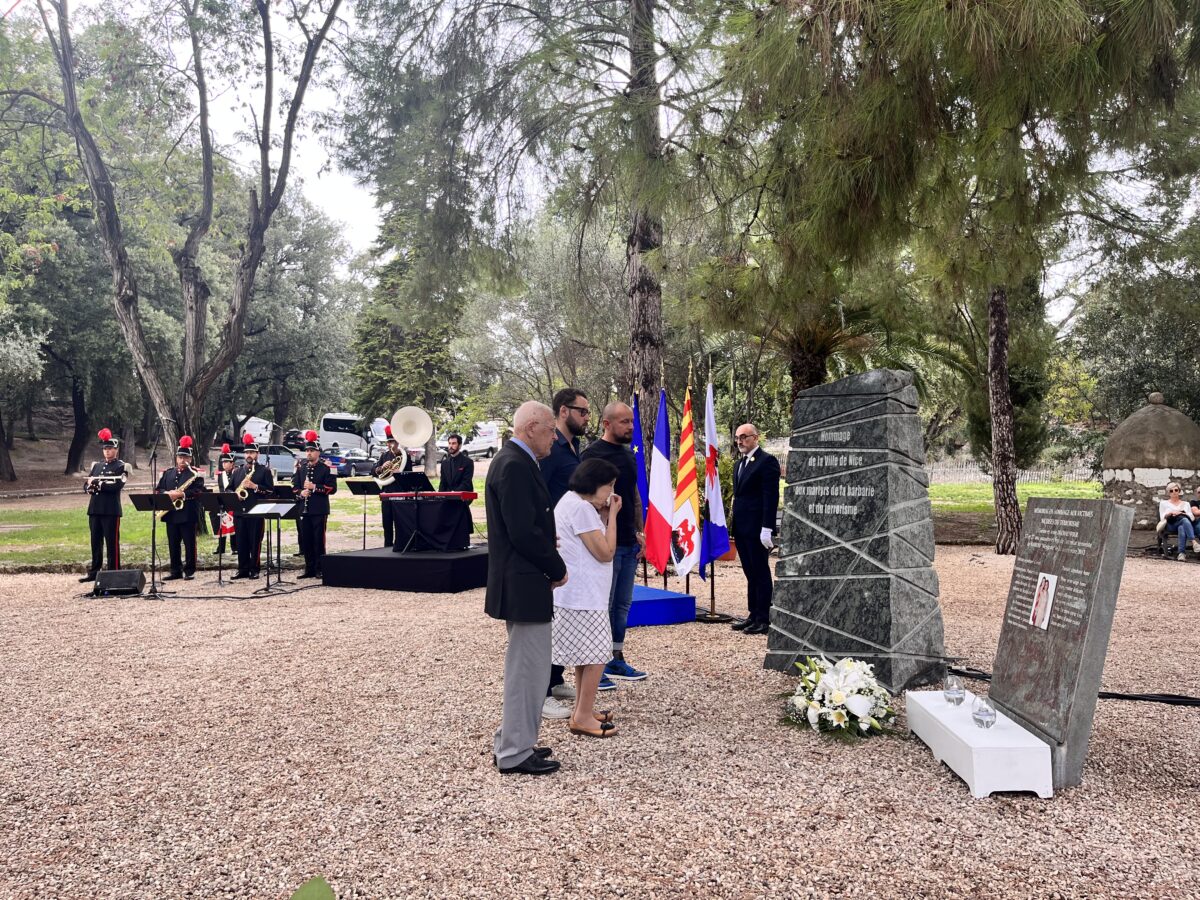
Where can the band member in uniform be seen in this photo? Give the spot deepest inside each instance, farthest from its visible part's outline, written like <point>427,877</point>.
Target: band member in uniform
<point>223,521</point>
<point>458,469</point>
<point>258,481</point>
<point>387,464</point>
<point>182,484</point>
<point>299,465</point>
<point>313,483</point>
<point>104,483</point>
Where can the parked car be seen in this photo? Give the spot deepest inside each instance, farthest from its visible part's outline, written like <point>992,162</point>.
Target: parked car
<point>281,459</point>
<point>294,438</point>
<point>355,462</point>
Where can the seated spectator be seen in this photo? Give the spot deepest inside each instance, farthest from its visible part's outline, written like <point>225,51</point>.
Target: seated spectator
<point>1175,514</point>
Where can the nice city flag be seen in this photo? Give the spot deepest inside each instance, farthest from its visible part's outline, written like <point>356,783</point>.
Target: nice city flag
<point>658,518</point>
<point>715,541</point>
<point>685,546</point>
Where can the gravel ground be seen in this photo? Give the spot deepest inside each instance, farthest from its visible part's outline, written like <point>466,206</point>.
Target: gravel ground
<point>206,748</point>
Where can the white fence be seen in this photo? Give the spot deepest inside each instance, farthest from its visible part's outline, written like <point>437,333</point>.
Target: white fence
<point>968,472</point>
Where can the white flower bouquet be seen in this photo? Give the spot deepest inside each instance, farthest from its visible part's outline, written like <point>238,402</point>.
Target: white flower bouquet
<point>843,699</point>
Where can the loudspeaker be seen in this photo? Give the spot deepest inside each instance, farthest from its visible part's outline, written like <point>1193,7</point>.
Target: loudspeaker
<point>119,583</point>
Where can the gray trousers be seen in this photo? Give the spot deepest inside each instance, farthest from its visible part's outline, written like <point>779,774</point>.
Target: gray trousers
<point>526,674</point>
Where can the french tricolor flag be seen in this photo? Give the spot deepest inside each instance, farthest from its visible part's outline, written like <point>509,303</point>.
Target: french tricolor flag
<point>662,496</point>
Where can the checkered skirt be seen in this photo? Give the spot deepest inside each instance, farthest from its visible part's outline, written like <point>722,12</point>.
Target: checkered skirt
<point>580,637</point>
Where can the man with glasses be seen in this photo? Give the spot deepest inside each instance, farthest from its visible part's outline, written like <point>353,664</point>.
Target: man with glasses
<point>755,506</point>
<point>572,412</point>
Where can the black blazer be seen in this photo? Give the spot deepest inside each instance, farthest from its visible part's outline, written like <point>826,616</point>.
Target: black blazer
<point>262,479</point>
<point>172,479</point>
<point>326,481</point>
<point>522,556</point>
<point>458,472</point>
<point>106,498</point>
<point>755,492</point>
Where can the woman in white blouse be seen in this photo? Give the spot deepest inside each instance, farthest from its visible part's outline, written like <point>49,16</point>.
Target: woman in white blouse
<point>1176,514</point>
<point>581,636</point>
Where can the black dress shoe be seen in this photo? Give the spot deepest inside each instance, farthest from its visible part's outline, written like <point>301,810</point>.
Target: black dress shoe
<point>539,752</point>
<point>742,625</point>
<point>189,577</point>
<point>307,575</point>
<point>173,578</point>
<point>757,628</point>
<point>239,576</point>
<point>532,765</point>
<point>253,575</point>
<point>90,576</point>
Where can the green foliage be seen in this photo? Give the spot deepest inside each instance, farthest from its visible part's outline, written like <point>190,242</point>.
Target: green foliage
<point>978,498</point>
<point>316,888</point>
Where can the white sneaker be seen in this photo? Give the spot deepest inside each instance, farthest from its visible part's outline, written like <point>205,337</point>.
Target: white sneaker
<point>554,708</point>
<point>566,691</point>
<point>1196,546</point>
<point>1181,557</point>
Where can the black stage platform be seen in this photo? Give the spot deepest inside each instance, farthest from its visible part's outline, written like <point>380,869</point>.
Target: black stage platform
<point>427,572</point>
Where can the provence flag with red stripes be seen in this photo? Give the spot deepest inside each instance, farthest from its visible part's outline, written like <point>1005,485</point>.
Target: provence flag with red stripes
<point>685,526</point>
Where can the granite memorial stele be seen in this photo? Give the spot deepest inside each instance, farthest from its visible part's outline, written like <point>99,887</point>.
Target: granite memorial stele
<point>1054,637</point>
<point>855,576</point>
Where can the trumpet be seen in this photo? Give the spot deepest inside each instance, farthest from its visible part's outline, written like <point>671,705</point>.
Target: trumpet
<point>92,485</point>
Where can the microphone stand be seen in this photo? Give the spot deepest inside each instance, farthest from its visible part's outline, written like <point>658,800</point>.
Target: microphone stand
<point>154,590</point>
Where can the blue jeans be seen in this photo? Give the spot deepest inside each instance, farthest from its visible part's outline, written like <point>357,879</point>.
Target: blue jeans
<point>1183,525</point>
<point>620,596</point>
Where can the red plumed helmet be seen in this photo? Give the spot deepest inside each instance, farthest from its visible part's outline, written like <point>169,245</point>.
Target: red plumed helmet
<point>247,438</point>
<point>104,434</point>
<point>310,435</point>
<point>387,430</point>
<point>224,448</point>
<point>186,441</point>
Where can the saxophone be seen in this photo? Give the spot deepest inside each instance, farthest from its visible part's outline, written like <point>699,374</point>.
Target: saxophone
<point>242,490</point>
<point>177,505</point>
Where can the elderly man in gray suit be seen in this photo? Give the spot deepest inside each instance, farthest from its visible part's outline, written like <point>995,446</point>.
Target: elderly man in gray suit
<point>523,569</point>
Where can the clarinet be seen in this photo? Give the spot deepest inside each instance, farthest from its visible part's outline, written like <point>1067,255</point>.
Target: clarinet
<point>308,473</point>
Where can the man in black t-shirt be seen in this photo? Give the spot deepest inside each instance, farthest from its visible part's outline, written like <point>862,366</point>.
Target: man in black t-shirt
<point>613,446</point>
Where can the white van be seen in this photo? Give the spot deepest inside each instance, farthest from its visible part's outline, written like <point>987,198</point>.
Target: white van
<point>485,442</point>
<point>344,429</point>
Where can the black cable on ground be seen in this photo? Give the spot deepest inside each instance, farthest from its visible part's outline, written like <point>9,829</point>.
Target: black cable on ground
<point>1169,699</point>
<point>281,592</point>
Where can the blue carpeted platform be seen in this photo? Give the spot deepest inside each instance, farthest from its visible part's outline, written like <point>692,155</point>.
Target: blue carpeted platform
<point>654,606</point>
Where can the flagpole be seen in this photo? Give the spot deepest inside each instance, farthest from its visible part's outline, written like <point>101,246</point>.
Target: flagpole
<point>712,617</point>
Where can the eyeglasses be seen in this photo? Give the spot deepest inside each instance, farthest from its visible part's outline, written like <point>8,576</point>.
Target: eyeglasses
<point>1173,491</point>
<point>582,410</point>
<point>744,437</point>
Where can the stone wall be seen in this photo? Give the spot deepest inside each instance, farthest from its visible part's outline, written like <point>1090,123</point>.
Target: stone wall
<point>1141,489</point>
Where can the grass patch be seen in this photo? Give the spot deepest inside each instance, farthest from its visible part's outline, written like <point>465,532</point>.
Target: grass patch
<point>977,498</point>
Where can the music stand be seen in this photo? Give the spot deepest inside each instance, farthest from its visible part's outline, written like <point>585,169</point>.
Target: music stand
<point>219,502</point>
<point>153,504</point>
<point>276,510</point>
<point>364,487</point>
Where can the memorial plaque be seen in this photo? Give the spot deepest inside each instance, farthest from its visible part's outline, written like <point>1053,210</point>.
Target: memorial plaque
<point>1057,622</point>
<point>855,575</point>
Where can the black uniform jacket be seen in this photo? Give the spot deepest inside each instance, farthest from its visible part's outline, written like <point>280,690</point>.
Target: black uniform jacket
<point>107,499</point>
<point>458,473</point>
<point>388,456</point>
<point>755,492</point>
<point>172,479</point>
<point>324,478</point>
<point>260,477</point>
<point>522,557</point>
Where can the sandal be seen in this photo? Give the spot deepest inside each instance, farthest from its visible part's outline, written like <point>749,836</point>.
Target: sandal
<point>603,715</point>
<point>607,729</point>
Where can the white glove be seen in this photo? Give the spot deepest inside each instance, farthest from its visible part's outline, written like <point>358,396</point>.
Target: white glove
<point>765,537</point>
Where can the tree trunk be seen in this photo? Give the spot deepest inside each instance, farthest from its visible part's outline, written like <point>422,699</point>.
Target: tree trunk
<point>81,430</point>
<point>807,369</point>
<point>1004,457</point>
<point>7,472</point>
<point>29,429</point>
<point>646,227</point>
<point>129,446</point>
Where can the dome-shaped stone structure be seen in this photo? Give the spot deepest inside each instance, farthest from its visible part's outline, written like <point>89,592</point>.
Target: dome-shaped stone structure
<point>1156,445</point>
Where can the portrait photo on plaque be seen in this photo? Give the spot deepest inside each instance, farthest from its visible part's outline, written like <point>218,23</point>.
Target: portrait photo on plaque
<point>1043,599</point>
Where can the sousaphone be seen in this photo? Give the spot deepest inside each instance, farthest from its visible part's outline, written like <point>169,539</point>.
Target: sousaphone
<point>411,426</point>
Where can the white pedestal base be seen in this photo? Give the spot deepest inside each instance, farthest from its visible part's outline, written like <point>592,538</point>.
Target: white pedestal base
<point>1004,757</point>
